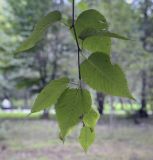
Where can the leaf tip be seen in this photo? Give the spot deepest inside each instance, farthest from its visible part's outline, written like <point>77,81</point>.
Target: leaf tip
<point>133,98</point>
<point>61,137</point>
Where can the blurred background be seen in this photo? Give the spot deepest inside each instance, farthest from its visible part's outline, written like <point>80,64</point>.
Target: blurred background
<point>124,131</point>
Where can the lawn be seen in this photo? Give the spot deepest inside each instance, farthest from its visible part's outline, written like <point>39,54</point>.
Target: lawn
<point>23,114</point>
<point>38,140</point>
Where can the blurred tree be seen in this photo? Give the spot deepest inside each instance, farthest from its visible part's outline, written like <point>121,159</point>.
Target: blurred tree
<point>146,23</point>
<point>137,61</point>
<point>45,62</point>
<point>101,102</point>
<point>7,61</point>
<point>130,53</point>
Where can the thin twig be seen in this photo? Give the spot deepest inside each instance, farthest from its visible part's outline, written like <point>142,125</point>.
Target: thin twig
<point>76,39</point>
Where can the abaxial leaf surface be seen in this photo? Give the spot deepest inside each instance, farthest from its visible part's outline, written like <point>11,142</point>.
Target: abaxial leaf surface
<point>39,30</point>
<point>90,32</point>
<point>71,107</point>
<point>86,138</point>
<point>98,72</point>
<point>49,95</point>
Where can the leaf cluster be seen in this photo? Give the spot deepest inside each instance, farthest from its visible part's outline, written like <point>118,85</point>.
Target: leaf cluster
<point>74,105</point>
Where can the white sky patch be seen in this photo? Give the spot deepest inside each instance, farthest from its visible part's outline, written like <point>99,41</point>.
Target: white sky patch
<point>76,1</point>
<point>129,1</point>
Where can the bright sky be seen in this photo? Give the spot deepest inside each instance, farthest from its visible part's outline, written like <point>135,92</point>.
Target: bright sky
<point>129,1</point>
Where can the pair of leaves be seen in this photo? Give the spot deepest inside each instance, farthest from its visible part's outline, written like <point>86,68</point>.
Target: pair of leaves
<point>93,19</point>
<point>87,134</point>
<point>73,106</point>
<point>92,29</point>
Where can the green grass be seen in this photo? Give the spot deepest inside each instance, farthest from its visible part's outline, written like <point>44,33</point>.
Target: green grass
<point>18,115</point>
<point>38,140</point>
<point>21,115</point>
<point>127,106</point>
<point>118,111</point>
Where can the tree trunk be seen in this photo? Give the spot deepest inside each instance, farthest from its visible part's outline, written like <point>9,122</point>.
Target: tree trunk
<point>112,112</point>
<point>100,100</point>
<point>151,89</point>
<point>26,100</point>
<point>143,111</point>
<point>45,114</point>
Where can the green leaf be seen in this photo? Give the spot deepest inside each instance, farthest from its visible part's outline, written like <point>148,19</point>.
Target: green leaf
<point>71,107</point>
<point>86,138</point>
<point>90,32</point>
<point>90,19</point>
<point>90,119</point>
<point>93,19</point>
<point>39,30</point>
<point>98,72</point>
<point>98,44</point>
<point>49,95</point>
